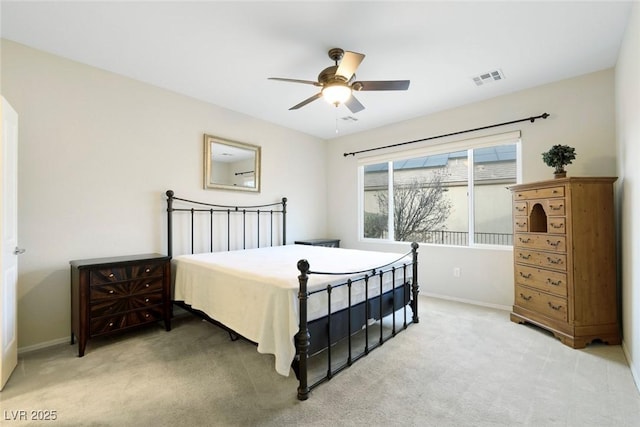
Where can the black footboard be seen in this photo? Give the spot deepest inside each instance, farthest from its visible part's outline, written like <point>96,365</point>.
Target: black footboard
<point>322,334</point>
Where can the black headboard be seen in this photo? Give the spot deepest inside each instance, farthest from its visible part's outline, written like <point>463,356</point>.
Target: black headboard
<point>274,211</point>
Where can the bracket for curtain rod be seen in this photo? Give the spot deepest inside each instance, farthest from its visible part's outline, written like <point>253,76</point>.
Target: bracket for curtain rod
<point>531,119</point>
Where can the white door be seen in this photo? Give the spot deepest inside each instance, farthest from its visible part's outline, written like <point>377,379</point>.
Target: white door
<point>9,241</point>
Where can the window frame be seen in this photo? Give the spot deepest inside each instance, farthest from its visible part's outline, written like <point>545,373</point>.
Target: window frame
<point>507,138</point>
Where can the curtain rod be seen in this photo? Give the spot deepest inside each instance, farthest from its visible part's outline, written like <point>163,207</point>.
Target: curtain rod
<point>531,119</point>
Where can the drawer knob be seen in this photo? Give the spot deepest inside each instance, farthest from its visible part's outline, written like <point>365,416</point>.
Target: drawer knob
<point>555,307</point>
<point>555,207</point>
<point>526,276</point>
<point>146,315</point>
<point>110,324</point>
<point>147,270</point>
<point>146,285</point>
<point>111,291</point>
<point>520,208</point>
<point>524,256</point>
<point>521,224</point>
<point>556,225</point>
<point>146,300</point>
<point>111,276</point>
<point>524,297</point>
<point>554,261</point>
<point>555,283</point>
<point>527,240</point>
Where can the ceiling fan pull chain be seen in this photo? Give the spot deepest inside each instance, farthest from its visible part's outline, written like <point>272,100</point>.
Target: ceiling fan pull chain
<point>337,131</point>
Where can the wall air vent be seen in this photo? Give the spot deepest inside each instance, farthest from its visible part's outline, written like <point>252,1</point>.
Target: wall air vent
<point>488,77</point>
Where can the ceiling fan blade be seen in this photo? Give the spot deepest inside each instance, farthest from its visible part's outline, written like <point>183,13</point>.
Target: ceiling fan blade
<point>382,85</point>
<point>353,104</point>
<point>349,63</point>
<point>307,101</point>
<point>308,82</point>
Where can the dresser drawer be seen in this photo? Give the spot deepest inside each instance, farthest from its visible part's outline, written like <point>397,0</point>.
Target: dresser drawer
<point>122,273</point>
<point>541,241</point>
<point>556,207</point>
<point>521,224</point>
<point>541,259</point>
<point>113,306</point>
<point>520,208</point>
<point>557,225</point>
<point>540,302</point>
<point>125,289</point>
<point>545,280</point>
<point>103,325</point>
<point>539,193</point>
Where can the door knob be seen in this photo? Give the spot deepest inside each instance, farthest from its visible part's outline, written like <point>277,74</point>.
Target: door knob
<point>18,251</point>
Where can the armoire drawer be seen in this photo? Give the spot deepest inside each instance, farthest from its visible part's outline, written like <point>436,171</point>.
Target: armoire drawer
<point>544,280</point>
<point>541,259</point>
<point>544,242</point>
<point>539,193</point>
<point>521,224</point>
<point>540,302</point>
<point>556,225</point>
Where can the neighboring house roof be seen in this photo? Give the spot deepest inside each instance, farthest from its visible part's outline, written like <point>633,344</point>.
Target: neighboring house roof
<point>490,164</point>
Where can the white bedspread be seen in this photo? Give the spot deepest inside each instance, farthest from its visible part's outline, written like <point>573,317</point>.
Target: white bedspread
<point>255,291</point>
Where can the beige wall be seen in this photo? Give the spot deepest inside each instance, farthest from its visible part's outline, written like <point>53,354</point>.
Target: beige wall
<point>628,133</point>
<point>97,151</point>
<point>582,116</point>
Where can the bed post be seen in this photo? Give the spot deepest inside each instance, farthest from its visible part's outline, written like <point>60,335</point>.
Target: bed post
<point>303,337</point>
<point>284,221</point>
<point>169,222</point>
<point>414,284</point>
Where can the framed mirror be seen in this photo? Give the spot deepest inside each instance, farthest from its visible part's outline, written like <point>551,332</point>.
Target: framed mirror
<point>231,165</point>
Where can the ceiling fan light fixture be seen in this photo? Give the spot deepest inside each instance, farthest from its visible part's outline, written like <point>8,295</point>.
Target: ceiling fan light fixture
<point>336,94</point>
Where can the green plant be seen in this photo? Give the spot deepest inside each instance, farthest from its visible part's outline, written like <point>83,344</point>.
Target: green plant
<point>559,156</point>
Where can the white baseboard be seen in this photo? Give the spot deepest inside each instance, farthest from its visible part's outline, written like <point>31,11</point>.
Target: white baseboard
<point>635,374</point>
<point>468,301</point>
<point>40,346</point>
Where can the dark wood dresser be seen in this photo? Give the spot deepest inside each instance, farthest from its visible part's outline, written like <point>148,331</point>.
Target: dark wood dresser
<point>330,243</point>
<point>116,294</point>
<point>565,259</point>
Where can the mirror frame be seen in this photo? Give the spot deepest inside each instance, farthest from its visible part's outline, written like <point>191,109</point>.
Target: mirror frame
<point>209,184</point>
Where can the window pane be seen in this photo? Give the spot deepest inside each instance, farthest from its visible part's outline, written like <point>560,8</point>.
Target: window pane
<point>494,168</point>
<point>376,201</point>
<point>430,199</point>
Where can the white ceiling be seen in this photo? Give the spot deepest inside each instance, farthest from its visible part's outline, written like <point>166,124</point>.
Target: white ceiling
<point>223,52</point>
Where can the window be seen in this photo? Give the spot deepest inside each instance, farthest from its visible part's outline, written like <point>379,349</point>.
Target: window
<point>456,197</point>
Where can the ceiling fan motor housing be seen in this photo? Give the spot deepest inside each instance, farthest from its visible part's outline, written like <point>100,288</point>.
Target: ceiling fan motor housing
<point>328,75</point>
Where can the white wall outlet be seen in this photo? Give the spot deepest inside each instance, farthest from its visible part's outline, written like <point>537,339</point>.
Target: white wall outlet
<point>456,272</point>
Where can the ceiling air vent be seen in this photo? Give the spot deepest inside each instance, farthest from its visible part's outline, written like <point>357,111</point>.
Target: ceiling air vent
<point>488,77</point>
<point>349,119</point>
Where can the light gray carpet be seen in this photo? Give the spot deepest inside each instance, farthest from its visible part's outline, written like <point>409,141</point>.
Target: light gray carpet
<point>461,365</point>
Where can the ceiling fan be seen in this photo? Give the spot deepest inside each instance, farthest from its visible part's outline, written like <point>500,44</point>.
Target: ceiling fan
<point>337,82</point>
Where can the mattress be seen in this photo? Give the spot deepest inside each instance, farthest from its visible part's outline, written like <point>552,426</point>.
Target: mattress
<point>255,291</point>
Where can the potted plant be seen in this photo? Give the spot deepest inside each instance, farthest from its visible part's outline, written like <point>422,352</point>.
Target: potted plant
<point>558,157</point>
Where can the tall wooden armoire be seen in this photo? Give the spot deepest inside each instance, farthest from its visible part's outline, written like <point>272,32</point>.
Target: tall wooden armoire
<point>565,259</point>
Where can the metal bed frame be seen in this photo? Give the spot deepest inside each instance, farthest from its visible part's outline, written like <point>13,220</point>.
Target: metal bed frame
<point>334,327</point>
